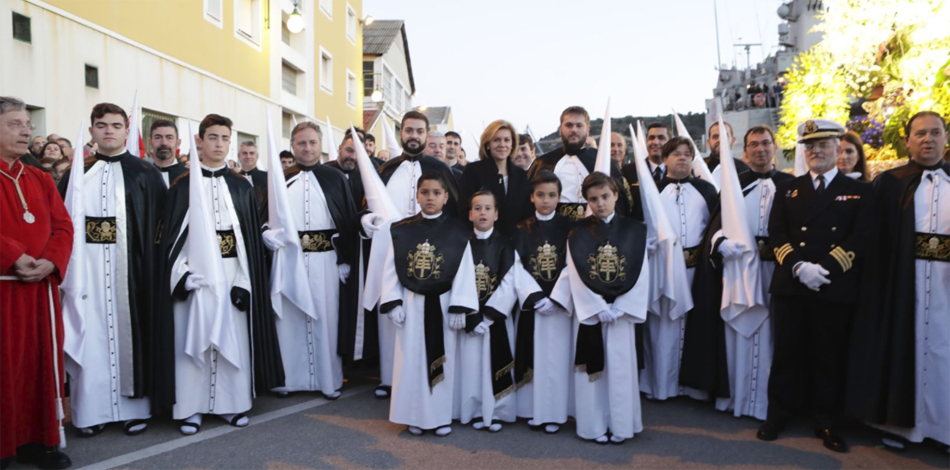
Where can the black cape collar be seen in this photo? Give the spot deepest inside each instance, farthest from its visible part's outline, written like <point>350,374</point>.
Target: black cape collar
<point>166,169</point>
<point>216,173</point>
<point>112,159</point>
<point>310,168</point>
<point>667,180</point>
<point>764,176</point>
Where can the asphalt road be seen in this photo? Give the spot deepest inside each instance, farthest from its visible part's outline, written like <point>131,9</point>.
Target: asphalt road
<point>306,431</point>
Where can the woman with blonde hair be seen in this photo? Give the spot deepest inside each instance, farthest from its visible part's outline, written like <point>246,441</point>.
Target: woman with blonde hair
<point>851,160</point>
<point>495,171</point>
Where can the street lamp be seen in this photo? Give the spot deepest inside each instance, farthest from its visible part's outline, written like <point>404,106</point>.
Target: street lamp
<point>368,20</point>
<point>295,21</point>
<point>377,95</point>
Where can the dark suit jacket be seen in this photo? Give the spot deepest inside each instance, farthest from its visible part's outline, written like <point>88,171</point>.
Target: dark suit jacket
<point>833,229</point>
<point>355,182</point>
<point>513,205</point>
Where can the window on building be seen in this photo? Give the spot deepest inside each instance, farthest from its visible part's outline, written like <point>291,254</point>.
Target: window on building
<point>326,71</point>
<point>92,76</point>
<point>387,85</point>
<point>351,88</point>
<point>242,137</point>
<point>351,22</point>
<point>148,117</point>
<point>247,20</point>
<point>288,79</point>
<point>286,125</point>
<point>327,7</point>
<point>369,78</point>
<point>21,28</point>
<point>214,12</point>
<point>284,33</point>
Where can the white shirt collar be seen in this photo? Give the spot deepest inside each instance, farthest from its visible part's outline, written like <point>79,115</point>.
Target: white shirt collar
<point>424,216</point>
<point>829,175</point>
<point>213,169</point>
<point>544,217</point>
<point>609,218</point>
<point>483,235</point>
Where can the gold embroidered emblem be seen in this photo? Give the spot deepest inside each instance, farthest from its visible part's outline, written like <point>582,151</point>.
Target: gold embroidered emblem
<point>606,265</point>
<point>810,127</point>
<point>318,242</point>
<point>485,282</point>
<point>100,230</point>
<point>424,262</point>
<point>226,243</point>
<point>544,264</point>
<point>934,243</point>
<point>574,211</point>
<point>933,247</point>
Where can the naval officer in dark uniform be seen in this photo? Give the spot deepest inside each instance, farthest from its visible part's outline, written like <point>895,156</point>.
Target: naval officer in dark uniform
<point>821,227</point>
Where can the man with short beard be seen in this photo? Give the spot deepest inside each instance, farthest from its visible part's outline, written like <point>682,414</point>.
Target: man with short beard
<point>572,162</point>
<point>164,142</point>
<point>453,143</point>
<point>346,162</point>
<point>247,155</point>
<point>369,144</point>
<point>712,161</point>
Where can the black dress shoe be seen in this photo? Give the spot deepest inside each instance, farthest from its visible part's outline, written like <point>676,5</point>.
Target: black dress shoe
<point>768,431</point>
<point>46,458</point>
<point>831,440</point>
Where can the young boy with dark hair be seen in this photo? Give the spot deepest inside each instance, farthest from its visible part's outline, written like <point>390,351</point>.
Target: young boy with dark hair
<point>428,288</point>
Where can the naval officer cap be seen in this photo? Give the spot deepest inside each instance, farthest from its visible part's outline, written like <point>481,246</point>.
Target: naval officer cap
<point>815,129</point>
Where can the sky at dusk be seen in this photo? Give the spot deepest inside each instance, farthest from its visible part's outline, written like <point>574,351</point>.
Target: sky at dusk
<point>526,60</point>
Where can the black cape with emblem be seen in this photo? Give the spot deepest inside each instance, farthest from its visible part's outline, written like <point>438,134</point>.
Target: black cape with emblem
<point>493,258</point>
<point>514,203</point>
<point>705,363</point>
<point>426,163</point>
<point>541,244</point>
<point>428,253</point>
<point>882,379</point>
<point>336,192</point>
<point>608,257</point>
<point>145,199</point>
<point>268,368</point>
<point>587,156</point>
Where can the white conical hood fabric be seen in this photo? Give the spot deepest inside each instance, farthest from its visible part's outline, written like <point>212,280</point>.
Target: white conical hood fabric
<point>132,142</point>
<point>699,165</point>
<point>74,284</point>
<point>379,202</point>
<point>800,168</point>
<point>332,151</point>
<point>210,322</point>
<point>602,164</point>
<point>392,144</point>
<point>670,292</point>
<point>743,303</point>
<point>288,274</point>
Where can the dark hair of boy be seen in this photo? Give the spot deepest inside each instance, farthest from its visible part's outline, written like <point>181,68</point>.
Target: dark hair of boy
<point>544,177</point>
<point>101,109</point>
<point>671,145</point>
<point>213,120</point>
<point>433,175</point>
<point>484,192</point>
<point>599,180</point>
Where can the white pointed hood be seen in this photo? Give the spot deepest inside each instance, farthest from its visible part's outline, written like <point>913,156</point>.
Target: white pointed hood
<point>74,283</point>
<point>699,165</point>
<point>392,144</point>
<point>332,151</point>
<point>602,164</point>
<point>132,142</point>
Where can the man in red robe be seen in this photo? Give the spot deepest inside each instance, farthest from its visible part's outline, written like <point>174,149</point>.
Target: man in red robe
<point>35,244</point>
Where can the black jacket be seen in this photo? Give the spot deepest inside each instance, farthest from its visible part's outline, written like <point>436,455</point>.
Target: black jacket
<point>514,205</point>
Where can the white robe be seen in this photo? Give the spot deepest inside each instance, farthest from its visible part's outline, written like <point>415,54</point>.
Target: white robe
<point>474,396</point>
<point>663,337</point>
<point>571,171</point>
<point>549,397</point>
<point>749,360</point>
<point>932,315</point>
<point>308,347</point>
<point>220,387</point>
<point>402,190</point>
<point>612,402</point>
<point>96,387</point>
<point>412,402</point>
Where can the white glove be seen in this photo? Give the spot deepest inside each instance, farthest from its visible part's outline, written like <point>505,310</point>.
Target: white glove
<point>398,315</point>
<point>481,328</point>
<point>273,239</point>
<point>195,281</point>
<point>605,317</point>
<point>731,249</point>
<point>545,306</point>
<point>813,276</point>
<point>456,321</point>
<point>371,223</point>
<point>615,313</point>
<point>651,246</point>
<point>344,272</point>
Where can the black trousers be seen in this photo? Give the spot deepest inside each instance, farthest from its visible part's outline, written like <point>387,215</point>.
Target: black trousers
<point>809,363</point>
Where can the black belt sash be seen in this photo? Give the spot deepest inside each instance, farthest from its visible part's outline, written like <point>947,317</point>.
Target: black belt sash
<point>572,210</point>
<point>930,247</point>
<point>502,360</point>
<point>228,243</point>
<point>316,241</point>
<point>524,347</point>
<point>765,250</point>
<point>435,339</point>
<point>100,230</point>
<point>692,256</point>
<point>590,351</point>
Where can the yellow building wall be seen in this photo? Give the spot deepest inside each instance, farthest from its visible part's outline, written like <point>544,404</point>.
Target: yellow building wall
<point>331,35</point>
<point>179,29</point>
